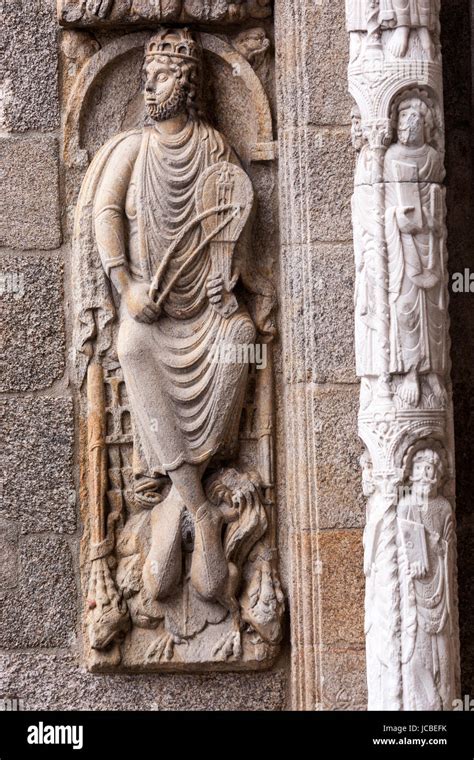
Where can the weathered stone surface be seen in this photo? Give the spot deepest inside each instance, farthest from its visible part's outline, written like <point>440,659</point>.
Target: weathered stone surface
<point>40,610</point>
<point>311,63</point>
<point>58,682</point>
<point>336,493</point>
<point>341,587</point>
<point>29,93</point>
<point>30,190</point>
<point>456,29</point>
<point>317,166</point>
<point>32,340</point>
<point>110,12</point>
<point>332,560</point>
<point>36,463</point>
<point>344,681</point>
<point>9,535</point>
<point>339,491</point>
<point>321,278</point>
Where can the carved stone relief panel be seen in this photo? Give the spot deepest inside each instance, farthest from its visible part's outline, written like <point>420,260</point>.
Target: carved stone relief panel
<point>113,12</point>
<point>402,353</point>
<point>175,312</point>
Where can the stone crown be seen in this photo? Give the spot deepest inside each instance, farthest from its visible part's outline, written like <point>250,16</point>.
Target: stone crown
<point>178,43</point>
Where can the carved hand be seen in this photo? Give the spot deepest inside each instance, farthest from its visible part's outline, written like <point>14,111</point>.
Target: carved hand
<point>405,221</point>
<point>215,288</point>
<point>139,304</point>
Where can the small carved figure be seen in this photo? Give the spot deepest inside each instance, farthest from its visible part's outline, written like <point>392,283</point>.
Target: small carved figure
<point>426,560</point>
<point>414,218</point>
<point>364,253</point>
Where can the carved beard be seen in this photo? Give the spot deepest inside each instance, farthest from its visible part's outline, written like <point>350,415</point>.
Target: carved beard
<point>172,106</point>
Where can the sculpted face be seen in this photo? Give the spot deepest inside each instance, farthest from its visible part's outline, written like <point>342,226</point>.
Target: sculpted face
<point>411,127</point>
<point>165,90</point>
<point>425,475</point>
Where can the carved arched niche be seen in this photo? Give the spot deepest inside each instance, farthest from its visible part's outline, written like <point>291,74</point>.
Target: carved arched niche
<point>106,98</point>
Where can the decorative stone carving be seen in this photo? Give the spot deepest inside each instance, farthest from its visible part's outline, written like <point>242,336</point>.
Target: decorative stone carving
<point>253,44</point>
<point>402,357</point>
<point>401,18</point>
<point>180,482</point>
<point>75,155</point>
<point>111,12</point>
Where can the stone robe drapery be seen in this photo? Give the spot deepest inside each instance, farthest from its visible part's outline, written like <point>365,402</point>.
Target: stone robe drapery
<point>426,603</point>
<point>415,247</point>
<point>393,13</point>
<point>185,403</point>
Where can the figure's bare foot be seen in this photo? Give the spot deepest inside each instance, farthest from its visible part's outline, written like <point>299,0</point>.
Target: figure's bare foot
<point>437,388</point>
<point>409,390</point>
<point>426,40</point>
<point>398,44</point>
<point>162,648</point>
<point>229,647</point>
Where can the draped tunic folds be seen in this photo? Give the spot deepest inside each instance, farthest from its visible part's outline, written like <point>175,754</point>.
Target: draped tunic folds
<point>185,403</point>
<point>415,248</point>
<point>412,13</point>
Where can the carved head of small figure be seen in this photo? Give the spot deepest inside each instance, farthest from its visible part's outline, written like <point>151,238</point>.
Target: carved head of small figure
<point>415,122</point>
<point>357,135</point>
<point>252,44</point>
<point>426,473</point>
<point>172,63</point>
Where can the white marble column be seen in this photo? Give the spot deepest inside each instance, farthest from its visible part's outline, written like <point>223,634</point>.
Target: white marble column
<point>402,354</point>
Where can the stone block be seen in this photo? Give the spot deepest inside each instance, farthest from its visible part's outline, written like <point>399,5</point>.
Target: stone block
<point>40,610</point>
<point>342,587</point>
<point>319,314</point>
<point>58,682</point>
<point>36,464</point>
<point>344,684</point>
<point>32,342</point>
<point>30,86</point>
<point>335,498</point>
<point>311,63</point>
<point>317,166</point>
<point>30,192</point>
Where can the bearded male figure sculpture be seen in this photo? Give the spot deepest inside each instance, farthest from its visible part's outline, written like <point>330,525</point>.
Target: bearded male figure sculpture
<point>170,208</point>
<point>426,546</point>
<point>416,251</point>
